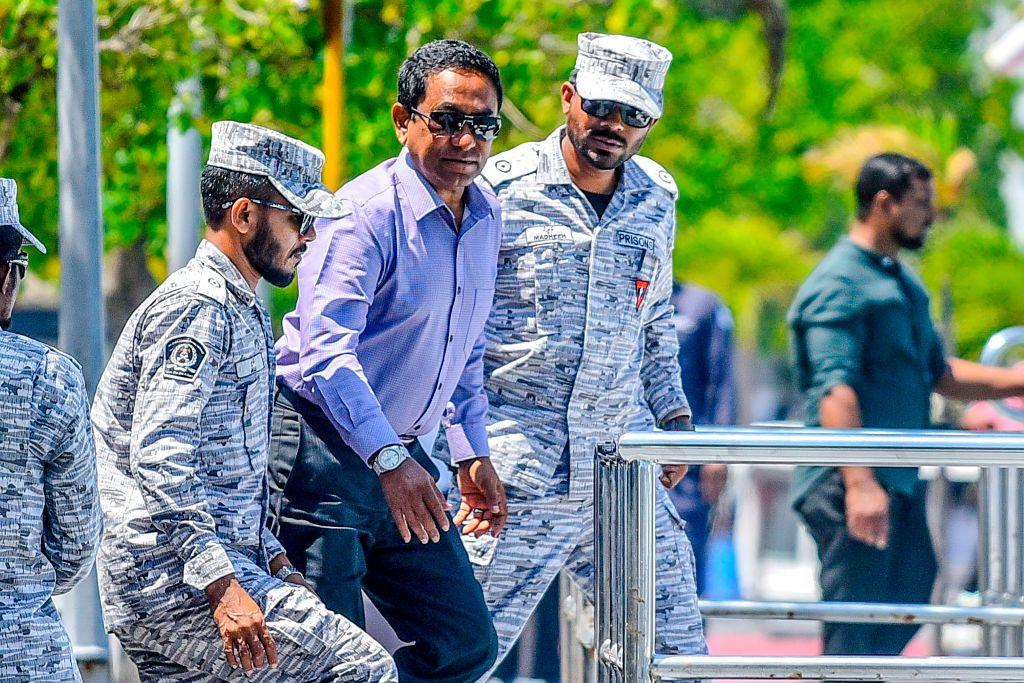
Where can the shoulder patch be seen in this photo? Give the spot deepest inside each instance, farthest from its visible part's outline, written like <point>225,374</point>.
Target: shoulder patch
<point>658,174</point>
<point>515,163</point>
<point>184,358</point>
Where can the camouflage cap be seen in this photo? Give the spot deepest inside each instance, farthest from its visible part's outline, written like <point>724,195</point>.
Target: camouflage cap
<point>622,69</point>
<point>292,166</point>
<point>9,212</point>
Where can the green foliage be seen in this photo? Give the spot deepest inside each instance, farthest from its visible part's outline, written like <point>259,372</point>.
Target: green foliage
<point>978,265</point>
<point>754,214</point>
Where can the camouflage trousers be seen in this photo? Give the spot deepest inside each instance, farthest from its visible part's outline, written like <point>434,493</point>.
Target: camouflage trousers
<point>547,534</point>
<point>35,647</point>
<point>313,644</point>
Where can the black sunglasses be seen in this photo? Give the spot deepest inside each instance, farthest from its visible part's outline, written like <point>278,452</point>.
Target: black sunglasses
<point>441,122</point>
<point>602,109</point>
<point>307,219</point>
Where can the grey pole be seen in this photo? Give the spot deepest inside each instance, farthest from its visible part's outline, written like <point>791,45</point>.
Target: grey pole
<point>184,164</point>
<point>81,251</point>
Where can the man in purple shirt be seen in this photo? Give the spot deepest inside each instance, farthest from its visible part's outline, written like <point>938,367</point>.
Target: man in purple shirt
<point>385,341</point>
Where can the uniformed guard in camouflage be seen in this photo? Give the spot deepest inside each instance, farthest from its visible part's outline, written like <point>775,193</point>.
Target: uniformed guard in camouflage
<point>182,429</point>
<point>581,348</point>
<point>49,504</point>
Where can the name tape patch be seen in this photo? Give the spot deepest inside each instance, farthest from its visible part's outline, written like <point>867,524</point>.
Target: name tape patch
<point>545,234</point>
<point>629,239</point>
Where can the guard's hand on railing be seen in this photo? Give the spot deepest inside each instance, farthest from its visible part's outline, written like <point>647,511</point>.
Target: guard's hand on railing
<point>867,507</point>
<point>673,474</point>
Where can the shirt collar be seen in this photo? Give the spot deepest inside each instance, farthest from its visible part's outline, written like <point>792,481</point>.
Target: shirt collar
<point>887,264</point>
<point>424,200</point>
<point>553,171</point>
<point>216,260</point>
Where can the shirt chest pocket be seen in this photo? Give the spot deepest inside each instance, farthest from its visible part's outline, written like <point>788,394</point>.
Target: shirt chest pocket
<point>633,270</point>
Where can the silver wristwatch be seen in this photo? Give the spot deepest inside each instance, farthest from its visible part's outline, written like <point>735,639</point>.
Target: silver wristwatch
<point>286,570</point>
<point>388,458</point>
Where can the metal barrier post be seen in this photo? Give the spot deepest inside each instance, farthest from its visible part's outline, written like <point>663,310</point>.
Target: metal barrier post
<point>624,512</point>
<point>993,557</point>
<point>624,571</point>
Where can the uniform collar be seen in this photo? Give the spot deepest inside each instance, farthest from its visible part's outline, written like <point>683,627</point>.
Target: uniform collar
<point>217,261</point>
<point>423,198</point>
<point>553,171</point>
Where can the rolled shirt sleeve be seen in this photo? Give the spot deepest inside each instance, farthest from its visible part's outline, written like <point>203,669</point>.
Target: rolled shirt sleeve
<point>271,544</point>
<point>334,298</point>
<point>663,384</point>
<point>166,430</point>
<point>72,519</point>
<point>829,342</point>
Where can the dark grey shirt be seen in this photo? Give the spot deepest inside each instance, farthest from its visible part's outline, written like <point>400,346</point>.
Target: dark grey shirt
<point>862,319</point>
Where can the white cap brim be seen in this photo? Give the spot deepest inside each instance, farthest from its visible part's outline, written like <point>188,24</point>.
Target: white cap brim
<point>315,200</point>
<point>29,237</point>
<point>592,85</point>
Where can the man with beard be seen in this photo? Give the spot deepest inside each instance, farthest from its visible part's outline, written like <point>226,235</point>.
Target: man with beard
<point>193,584</point>
<point>49,505</point>
<point>866,354</point>
<point>384,338</point>
<point>580,343</point>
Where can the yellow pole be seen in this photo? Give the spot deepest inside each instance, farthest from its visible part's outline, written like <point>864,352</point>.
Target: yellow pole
<point>335,124</point>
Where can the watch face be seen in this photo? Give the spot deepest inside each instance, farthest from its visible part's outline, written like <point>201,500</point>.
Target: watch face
<point>389,458</point>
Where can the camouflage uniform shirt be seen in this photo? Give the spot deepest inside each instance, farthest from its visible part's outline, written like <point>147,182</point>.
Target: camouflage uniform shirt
<point>49,506</point>
<point>581,346</point>
<point>182,427</point>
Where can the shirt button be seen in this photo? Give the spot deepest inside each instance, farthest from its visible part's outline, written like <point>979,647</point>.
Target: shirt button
<point>451,338</point>
<point>458,290</point>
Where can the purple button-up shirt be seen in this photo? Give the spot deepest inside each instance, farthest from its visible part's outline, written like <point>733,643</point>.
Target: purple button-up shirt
<point>392,304</point>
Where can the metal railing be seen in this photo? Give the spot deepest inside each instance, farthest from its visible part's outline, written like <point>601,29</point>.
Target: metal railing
<point>625,554</point>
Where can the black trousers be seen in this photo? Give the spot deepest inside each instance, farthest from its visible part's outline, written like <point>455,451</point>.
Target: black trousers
<point>852,571</point>
<point>328,510</point>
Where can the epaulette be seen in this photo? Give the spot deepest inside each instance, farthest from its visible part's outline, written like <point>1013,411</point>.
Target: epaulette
<point>658,174</point>
<point>511,164</point>
<point>212,286</point>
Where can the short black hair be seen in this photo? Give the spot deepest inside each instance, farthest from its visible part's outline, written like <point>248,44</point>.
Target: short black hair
<point>219,186</point>
<point>890,172</point>
<point>11,242</point>
<point>441,55</point>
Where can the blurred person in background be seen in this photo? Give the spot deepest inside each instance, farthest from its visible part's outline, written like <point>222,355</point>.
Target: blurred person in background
<point>704,327</point>
<point>866,354</point>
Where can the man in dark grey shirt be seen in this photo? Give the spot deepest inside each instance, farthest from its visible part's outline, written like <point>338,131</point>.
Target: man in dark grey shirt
<point>866,354</point>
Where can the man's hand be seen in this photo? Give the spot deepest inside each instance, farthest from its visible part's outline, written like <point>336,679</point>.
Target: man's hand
<point>416,504</point>
<point>673,474</point>
<point>240,623</point>
<point>867,507</point>
<point>483,505</point>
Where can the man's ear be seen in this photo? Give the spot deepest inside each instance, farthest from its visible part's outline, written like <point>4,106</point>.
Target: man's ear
<point>401,117</point>
<point>242,216</point>
<point>567,92</point>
